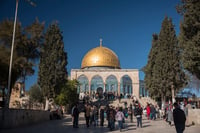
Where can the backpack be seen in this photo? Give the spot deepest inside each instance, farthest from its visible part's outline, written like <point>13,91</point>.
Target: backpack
<point>125,112</point>
<point>126,115</point>
<point>138,111</point>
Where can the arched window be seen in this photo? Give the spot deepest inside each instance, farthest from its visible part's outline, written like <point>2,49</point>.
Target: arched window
<point>126,85</point>
<point>83,84</point>
<point>96,82</point>
<point>111,84</point>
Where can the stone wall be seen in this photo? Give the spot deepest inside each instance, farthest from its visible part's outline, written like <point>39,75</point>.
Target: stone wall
<point>12,118</point>
<point>193,116</point>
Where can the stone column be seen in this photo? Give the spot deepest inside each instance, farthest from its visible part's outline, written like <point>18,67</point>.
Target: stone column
<point>118,88</point>
<point>104,87</point>
<point>89,88</point>
<point>136,89</point>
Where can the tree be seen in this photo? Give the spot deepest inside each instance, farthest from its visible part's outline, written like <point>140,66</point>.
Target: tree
<point>26,49</point>
<point>68,93</point>
<point>31,40</point>
<point>6,27</point>
<point>189,37</point>
<point>164,71</point>
<point>53,60</point>
<point>150,84</point>
<point>173,77</point>
<point>35,94</point>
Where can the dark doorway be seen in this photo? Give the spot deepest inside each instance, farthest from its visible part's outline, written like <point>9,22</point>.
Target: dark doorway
<point>100,92</point>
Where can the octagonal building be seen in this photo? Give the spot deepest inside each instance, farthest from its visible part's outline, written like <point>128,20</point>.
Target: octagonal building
<point>101,72</point>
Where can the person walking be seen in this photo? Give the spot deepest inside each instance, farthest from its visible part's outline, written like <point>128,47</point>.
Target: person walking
<point>138,114</point>
<point>92,115</point>
<point>101,116</point>
<point>120,117</point>
<point>153,112</point>
<point>148,109</point>
<point>112,114</point>
<point>130,112</point>
<point>169,115</point>
<point>179,118</point>
<point>72,111</point>
<point>75,116</point>
<point>108,114</point>
<point>87,114</point>
<point>187,107</point>
<point>96,116</point>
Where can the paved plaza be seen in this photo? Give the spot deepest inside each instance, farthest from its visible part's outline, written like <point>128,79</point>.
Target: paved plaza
<point>65,126</point>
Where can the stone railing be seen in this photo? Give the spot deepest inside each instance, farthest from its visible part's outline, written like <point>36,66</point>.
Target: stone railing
<point>11,118</point>
<point>193,117</point>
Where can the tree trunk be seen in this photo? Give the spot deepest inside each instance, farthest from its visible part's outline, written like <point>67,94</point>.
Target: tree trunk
<point>47,104</point>
<point>173,94</point>
<point>163,98</point>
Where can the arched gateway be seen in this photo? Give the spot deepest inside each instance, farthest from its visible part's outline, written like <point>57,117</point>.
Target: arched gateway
<point>101,72</point>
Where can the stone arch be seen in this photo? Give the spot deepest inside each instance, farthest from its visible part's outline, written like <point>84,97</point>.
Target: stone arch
<point>83,84</point>
<point>96,82</point>
<point>126,85</point>
<point>111,84</point>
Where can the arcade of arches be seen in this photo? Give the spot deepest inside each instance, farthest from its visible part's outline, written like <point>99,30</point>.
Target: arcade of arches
<point>120,81</point>
<point>111,82</point>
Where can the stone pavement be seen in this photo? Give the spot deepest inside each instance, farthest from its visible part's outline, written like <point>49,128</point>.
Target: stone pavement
<point>65,126</point>
<point>149,126</point>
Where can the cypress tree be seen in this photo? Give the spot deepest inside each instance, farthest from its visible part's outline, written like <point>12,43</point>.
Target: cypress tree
<point>148,69</point>
<point>189,37</point>
<point>166,73</point>
<point>52,68</point>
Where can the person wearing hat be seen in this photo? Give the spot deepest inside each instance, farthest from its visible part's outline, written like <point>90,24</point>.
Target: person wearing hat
<point>179,118</point>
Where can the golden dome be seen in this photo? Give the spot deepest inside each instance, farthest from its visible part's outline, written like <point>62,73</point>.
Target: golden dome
<point>100,57</point>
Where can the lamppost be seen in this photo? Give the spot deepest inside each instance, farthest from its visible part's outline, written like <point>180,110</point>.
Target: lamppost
<point>11,53</point>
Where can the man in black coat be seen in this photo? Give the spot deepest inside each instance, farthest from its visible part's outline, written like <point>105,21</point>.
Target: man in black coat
<point>101,116</point>
<point>179,118</point>
<point>75,114</point>
<point>138,114</point>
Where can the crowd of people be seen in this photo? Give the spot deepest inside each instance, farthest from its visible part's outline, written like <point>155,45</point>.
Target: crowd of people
<point>84,96</point>
<point>178,114</point>
<point>96,115</point>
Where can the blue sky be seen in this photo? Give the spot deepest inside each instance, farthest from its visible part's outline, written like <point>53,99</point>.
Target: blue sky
<point>126,26</point>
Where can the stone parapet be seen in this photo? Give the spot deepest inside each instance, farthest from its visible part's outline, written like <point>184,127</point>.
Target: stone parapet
<point>11,118</point>
<point>193,116</point>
